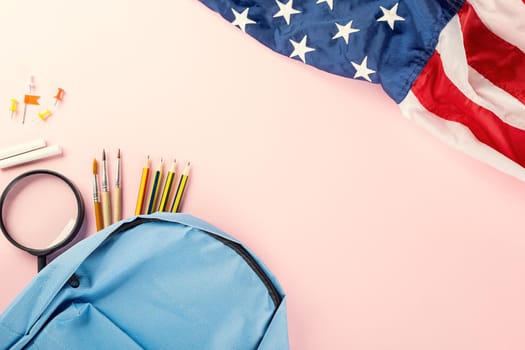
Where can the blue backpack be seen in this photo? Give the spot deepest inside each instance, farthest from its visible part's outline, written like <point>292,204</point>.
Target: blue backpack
<point>160,281</point>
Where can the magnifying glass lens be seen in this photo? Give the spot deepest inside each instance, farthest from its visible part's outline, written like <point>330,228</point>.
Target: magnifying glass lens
<point>40,211</point>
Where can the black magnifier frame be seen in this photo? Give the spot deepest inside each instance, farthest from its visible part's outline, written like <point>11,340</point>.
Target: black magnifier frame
<point>42,253</point>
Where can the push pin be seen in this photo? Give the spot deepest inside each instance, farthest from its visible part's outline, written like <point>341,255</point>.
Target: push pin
<point>14,107</point>
<point>29,99</point>
<point>31,84</point>
<point>43,115</point>
<point>59,96</point>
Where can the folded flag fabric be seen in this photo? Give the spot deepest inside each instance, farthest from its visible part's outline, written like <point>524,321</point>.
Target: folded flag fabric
<point>455,67</point>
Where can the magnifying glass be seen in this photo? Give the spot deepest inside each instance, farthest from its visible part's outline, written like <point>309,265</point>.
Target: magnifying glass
<point>40,212</point>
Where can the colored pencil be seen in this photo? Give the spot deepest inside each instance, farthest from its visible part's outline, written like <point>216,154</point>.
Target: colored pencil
<point>155,189</point>
<point>106,202</point>
<point>180,189</point>
<point>167,187</point>
<point>142,188</point>
<point>117,193</point>
<point>96,200</point>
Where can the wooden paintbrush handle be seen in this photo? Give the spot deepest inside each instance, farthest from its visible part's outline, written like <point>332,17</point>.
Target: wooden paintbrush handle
<point>98,216</point>
<point>106,209</point>
<point>117,204</point>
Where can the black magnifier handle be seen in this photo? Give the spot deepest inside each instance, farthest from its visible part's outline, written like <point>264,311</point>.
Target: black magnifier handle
<point>41,262</point>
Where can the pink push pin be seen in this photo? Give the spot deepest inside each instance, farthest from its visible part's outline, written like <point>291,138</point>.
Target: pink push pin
<point>59,96</point>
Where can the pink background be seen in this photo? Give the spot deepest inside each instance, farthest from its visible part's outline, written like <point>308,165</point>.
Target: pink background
<point>381,236</point>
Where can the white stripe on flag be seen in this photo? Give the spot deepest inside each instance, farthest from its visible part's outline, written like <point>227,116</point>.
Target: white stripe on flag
<point>458,136</point>
<point>472,84</point>
<point>505,18</point>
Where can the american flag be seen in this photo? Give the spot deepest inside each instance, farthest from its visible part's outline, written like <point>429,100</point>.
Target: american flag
<point>455,67</point>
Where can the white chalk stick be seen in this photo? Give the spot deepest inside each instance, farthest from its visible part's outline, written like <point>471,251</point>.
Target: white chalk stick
<point>31,156</point>
<point>22,148</point>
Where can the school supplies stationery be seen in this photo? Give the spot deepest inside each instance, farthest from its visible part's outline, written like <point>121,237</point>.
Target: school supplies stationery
<point>142,188</point>
<point>14,107</point>
<point>106,205</point>
<point>22,148</point>
<point>154,189</point>
<point>163,206</point>
<point>59,96</point>
<point>31,156</point>
<point>117,192</point>
<point>96,199</point>
<point>29,99</point>
<point>162,281</point>
<point>180,189</point>
<point>44,114</point>
<point>31,235</point>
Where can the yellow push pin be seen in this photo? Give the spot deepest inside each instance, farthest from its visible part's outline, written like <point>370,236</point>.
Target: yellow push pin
<point>14,107</point>
<point>43,115</point>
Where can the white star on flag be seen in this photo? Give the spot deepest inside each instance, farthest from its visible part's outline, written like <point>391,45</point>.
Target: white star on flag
<point>362,71</point>
<point>329,2</point>
<point>390,16</point>
<point>300,49</point>
<point>344,31</point>
<point>241,19</point>
<point>285,10</point>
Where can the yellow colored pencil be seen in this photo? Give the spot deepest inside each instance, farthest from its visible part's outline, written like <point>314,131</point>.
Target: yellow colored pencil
<point>142,188</point>
<point>180,189</point>
<point>167,187</point>
<point>155,189</point>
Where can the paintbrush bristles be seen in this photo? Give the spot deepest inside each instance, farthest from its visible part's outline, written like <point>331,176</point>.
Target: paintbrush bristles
<point>95,167</point>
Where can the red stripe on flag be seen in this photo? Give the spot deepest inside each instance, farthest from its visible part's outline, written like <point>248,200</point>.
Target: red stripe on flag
<point>440,96</point>
<point>497,60</point>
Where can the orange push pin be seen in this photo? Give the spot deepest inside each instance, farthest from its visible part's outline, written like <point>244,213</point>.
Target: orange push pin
<point>43,115</point>
<point>59,96</point>
<point>14,107</point>
<point>29,99</point>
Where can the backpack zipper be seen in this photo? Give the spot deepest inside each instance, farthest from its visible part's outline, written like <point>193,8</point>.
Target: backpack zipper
<point>236,247</point>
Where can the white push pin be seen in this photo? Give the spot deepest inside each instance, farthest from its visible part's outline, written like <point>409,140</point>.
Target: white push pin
<point>31,84</point>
